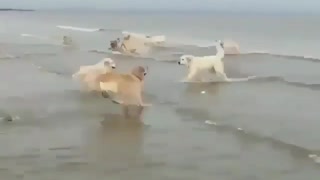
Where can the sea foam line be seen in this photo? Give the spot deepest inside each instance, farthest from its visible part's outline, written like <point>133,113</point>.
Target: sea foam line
<point>79,28</point>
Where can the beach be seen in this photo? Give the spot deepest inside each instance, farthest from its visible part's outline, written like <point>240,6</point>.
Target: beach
<point>262,128</point>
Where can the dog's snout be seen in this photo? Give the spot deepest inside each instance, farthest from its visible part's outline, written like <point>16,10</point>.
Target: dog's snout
<point>144,73</point>
<point>179,62</point>
<point>113,67</point>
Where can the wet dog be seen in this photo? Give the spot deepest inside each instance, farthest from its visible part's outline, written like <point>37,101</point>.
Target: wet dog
<point>124,89</point>
<point>198,65</point>
<point>88,74</point>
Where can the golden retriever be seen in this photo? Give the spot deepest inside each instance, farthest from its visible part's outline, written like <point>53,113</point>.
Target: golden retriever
<point>126,88</point>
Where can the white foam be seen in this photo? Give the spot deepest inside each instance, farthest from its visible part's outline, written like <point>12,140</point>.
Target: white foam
<point>152,39</point>
<point>115,52</point>
<point>315,158</point>
<point>210,122</point>
<point>223,80</point>
<point>34,36</point>
<point>240,79</point>
<point>79,28</point>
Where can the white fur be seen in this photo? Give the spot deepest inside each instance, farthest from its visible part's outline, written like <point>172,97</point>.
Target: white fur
<point>88,74</point>
<point>199,65</point>
<point>152,40</point>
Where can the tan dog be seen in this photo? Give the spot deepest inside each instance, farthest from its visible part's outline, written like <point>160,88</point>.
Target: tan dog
<point>127,88</point>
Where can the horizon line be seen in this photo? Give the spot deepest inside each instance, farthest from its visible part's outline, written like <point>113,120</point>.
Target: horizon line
<point>137,9</point>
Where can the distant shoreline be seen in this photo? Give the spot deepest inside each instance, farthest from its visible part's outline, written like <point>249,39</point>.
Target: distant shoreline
<point>9,9</point>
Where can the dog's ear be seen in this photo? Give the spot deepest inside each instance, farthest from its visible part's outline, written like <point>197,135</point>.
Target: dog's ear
<point>127,37</point>
<point>106,63</point>
<point>139,72</point>
<point>189,58</point>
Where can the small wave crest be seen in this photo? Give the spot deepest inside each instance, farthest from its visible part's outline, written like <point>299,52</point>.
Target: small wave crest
<point>295,150</point>
<point>224,80</point>
<point>12,57</point>
<point>98,51</point>
<point>257,79</point>
<point>233,48</point>
<point>8,56</point>
<point>53,71</point>
<point>80,28</point>
<point>288,56</point>
<point>283,80</point>
<point>34,36</point>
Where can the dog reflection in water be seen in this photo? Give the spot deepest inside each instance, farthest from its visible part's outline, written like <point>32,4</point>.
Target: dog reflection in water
<point>118,144</point>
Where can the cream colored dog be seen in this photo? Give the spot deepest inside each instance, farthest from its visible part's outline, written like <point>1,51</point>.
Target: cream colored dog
<point>199,65</point>
<point>126,88</point>
<point>88,74</point>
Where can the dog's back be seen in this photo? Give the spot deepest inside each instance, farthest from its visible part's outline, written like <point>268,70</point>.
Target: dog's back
<point>125,87</point>
<point>121,80</point>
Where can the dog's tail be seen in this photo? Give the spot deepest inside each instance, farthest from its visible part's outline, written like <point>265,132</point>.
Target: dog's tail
<point>75,75</point>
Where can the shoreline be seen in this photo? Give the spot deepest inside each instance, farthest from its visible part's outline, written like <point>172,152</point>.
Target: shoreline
<point>11,9</point>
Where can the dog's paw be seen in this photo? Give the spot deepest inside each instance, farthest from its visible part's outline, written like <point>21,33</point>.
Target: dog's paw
<point>105,94</point>
<point>146,105</point>
<point>183,80</point>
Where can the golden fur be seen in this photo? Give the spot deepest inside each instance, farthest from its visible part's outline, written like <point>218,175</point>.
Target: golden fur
<point>127,88</point>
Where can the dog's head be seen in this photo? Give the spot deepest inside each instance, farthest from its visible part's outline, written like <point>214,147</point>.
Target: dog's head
<point>140,72</point>
<point>109,63</point>
<point>220,43</point>
<point>185,60</point>
<point>127,37</point>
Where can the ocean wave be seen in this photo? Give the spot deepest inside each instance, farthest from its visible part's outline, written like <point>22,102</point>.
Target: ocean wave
<point>310,86</point>
<point>287,56</point>
<point>257,79</point>
<point>295,150</point>
<point>234,50</point>
<point>225,80</point>
<point>296,57</point>
<point>11,57</point>
<point>117,53</point>
<point>248,136</point>
<point>53,71</point>
<point>73,28</point>
<point>48,41</point>
<point>34,36</point>
<point>99,51</point>
<point>8,56</point>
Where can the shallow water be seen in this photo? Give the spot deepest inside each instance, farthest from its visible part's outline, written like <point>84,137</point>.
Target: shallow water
<point>265,128</point>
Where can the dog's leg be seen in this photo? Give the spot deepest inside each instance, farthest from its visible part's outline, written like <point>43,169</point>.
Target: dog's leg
<point>105,94</point>
<point>139,112</point>
<point>222,75</point>
<point>125,110</point>
<point>190,76</point>
<point>212,70</point>
<point>198,77</point>
<point>141,103</point>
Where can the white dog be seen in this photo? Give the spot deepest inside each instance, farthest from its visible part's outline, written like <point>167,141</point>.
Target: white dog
<point>199,65</point>
<point>88,74</point>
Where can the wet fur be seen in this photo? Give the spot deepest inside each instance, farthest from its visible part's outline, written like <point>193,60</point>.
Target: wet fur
<point>199,65</point>
<point>124,89</point>
<point>88,74</point>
